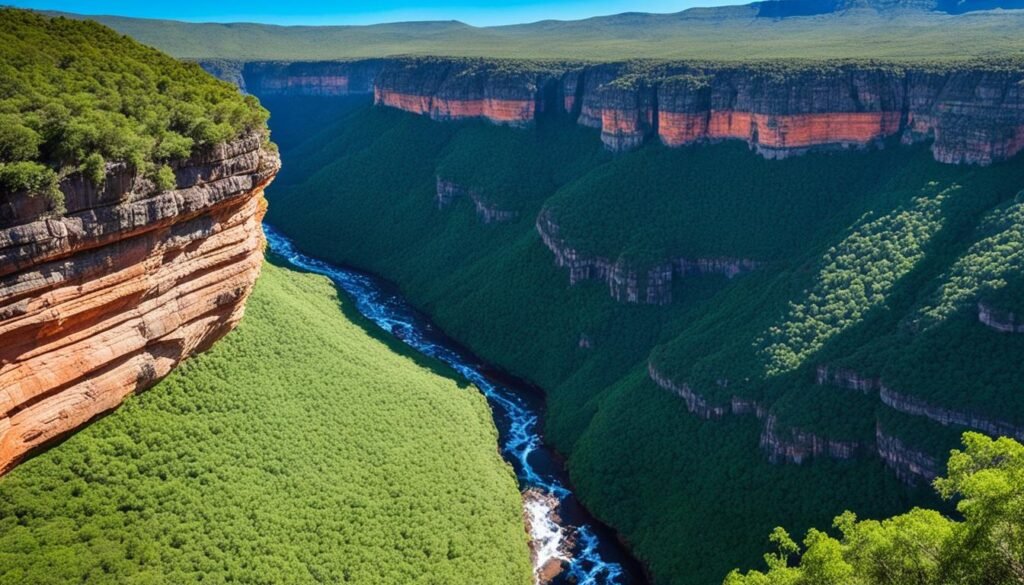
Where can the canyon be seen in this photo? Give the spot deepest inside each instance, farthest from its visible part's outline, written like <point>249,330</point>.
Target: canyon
<point>970,113</point>
<point>105,299</point>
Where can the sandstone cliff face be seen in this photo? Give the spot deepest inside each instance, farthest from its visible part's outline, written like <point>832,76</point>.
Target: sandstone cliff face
<point>326,79</point>
<point>453,90</point>
<point>780,443</point>
<point>1002,321</point>
<point>107,299</point>
<point>624,280</point>
<point>910,465</point>
<point>972,115</point>
<point>449,191</point>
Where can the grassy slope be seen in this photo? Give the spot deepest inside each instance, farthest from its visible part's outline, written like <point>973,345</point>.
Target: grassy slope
<point>694,34</point>
<point>301,449</point>
<point>693,497</point>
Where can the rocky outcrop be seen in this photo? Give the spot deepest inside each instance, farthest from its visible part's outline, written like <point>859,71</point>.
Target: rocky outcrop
<point>323,79</point>
<point>504,93</point>
<point>827,375</point>
<point>781,444</point>
<point>107,299</point>
<point>449,191</point>
<point>972,114</point>
<point>794,445</point>
<point>1002,321</point>
<point>948,417</point>
<point>910,465</point>
<point>623,280</point>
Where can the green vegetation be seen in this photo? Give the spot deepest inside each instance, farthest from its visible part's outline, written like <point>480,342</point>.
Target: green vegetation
<point>301,449</point>
<point>857,248</point>
<point>75,95</point>
<point>694,34</point>
<point>922,546</point>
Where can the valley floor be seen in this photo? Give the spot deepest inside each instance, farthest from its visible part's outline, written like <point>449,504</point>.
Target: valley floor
<point>303,448</point>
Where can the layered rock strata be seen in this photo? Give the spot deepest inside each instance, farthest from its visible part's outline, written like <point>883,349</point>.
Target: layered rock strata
<point>461,89</point>
<point>105,300</point>
<point>322,79</point>
<point>780,443</point>
<point>623,279</point>
<point>1002,321</point>
<point>449,191</point>
<point>910,465</point>
<point>973,114</point>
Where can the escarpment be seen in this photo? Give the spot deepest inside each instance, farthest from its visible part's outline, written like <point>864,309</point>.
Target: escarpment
<point>971,113</point>
<point>627,283</point>
<point>106,299</point>
<point>449,191</point>
<point>782,443</point>
<point>1000,320</point>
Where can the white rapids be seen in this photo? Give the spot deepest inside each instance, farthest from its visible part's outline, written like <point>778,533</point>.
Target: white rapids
<point>554,543</point>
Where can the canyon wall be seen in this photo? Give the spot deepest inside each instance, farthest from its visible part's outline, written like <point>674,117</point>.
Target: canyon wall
<point>969,113</point>
<point>106,299</point>
<point>625,282</point>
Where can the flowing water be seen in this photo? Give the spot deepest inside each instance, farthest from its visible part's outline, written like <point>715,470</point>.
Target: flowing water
<point>562,531</point>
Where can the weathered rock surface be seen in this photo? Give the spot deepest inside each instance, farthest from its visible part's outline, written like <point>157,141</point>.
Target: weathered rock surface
<point>910,465</point>
<point>1003,321</point>
<point>623,279</point>
<point>780,443</point>
<point>107,299</point>
<point>947,416</point>
<point>795,445</point>
<point>449,191</point>
<point>971,114</point>
<point>325,79</point>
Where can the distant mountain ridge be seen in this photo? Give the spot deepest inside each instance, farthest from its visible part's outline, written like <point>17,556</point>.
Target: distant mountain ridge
<point>774,29</point>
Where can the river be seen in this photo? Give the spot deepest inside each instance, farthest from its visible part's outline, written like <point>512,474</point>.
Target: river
<point>562,531</point>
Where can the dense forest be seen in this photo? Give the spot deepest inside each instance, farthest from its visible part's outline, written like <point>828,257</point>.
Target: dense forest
<point>303,448</point>
<point>924,547</point>
<point>75,96</point>
<point>871,261</point>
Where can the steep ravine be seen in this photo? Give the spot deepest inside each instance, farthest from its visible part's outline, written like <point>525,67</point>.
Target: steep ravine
<point>568,546</point>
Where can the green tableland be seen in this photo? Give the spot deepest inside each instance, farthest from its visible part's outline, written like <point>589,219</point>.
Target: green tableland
<point>873,261</point>
<point>701,33</point>
<point>303,448</point>
<point>75,96</point>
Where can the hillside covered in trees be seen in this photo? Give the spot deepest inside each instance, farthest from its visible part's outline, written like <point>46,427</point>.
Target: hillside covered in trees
<point>75,96</point>
<point>301,449</point>
<point>872,262</point>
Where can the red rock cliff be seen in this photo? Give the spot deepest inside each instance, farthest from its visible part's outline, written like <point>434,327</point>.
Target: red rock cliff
<point>107,299</point>
<point>973,114</point>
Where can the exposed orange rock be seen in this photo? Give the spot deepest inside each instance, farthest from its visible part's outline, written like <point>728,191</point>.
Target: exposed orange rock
<point>778,131</point>
<point>108,299</point>
<point>502,111</point>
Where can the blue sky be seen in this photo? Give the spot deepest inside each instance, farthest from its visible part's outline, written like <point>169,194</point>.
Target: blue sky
<point>476,12</point>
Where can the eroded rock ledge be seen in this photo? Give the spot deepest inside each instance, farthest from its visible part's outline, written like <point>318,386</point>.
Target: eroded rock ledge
<point>624,281</point>
<point>449,191</point>
<point>970,113</point>
<point>780,443</point>
<point>106,300</point>
<point>1003,321</point>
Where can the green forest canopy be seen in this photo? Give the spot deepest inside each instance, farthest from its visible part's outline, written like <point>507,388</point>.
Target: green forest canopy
<point>299,450</point>
<point>921,547</point>
<point>75,95</point>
